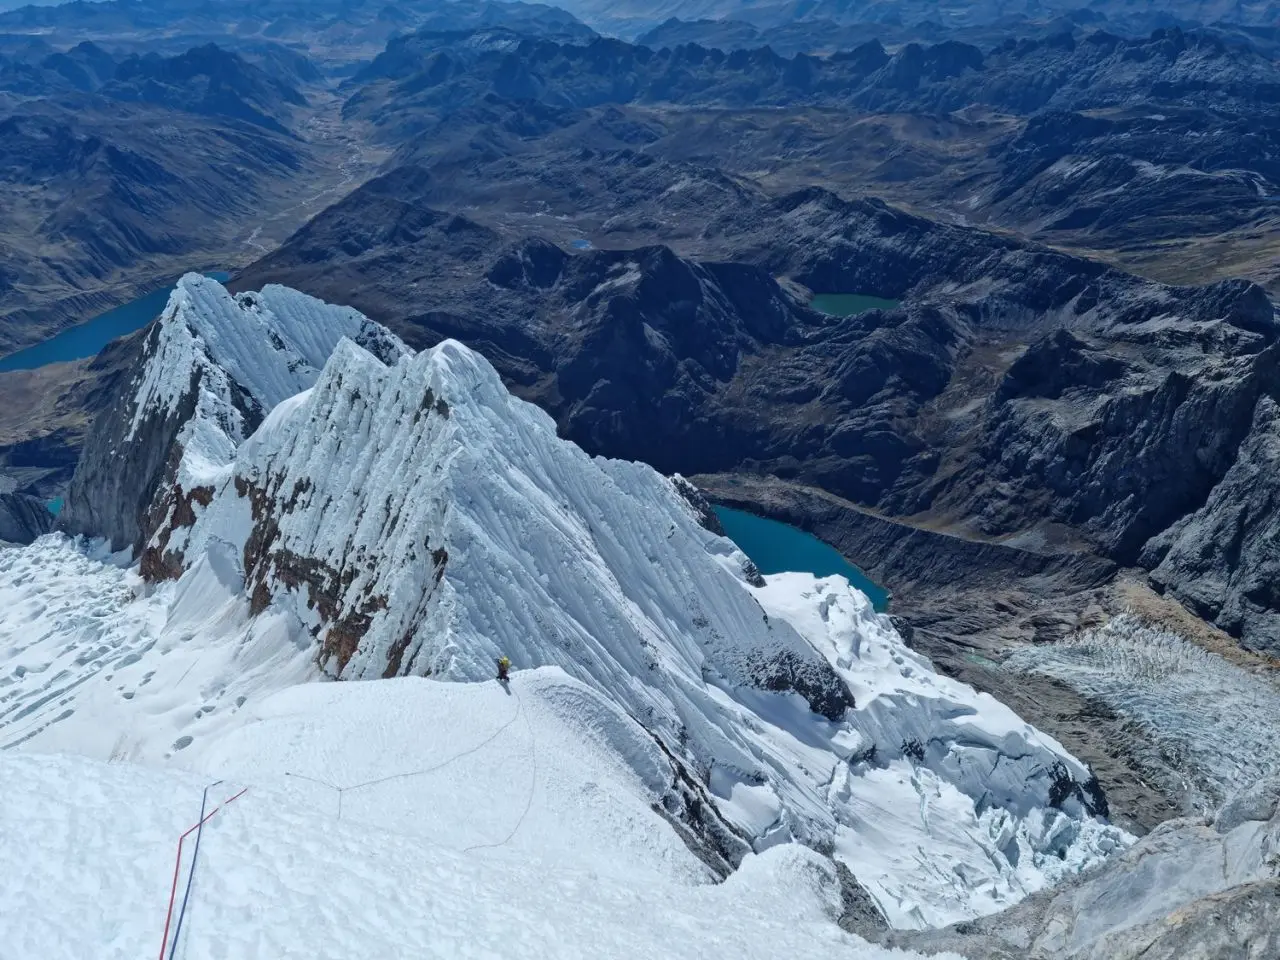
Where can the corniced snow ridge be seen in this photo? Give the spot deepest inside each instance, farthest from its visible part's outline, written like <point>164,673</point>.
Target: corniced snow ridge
<point>401,514</point>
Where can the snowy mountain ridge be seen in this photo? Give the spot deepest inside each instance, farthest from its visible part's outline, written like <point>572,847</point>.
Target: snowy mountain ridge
<point>404,515</point>
<point>212,366</point>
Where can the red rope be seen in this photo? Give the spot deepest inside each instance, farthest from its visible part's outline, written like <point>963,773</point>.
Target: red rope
<point>177,865</point>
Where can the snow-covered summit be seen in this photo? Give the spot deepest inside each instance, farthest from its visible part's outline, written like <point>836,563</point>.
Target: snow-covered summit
<point>404,515</point>
<point>211,367</point>
<point>249,351</point>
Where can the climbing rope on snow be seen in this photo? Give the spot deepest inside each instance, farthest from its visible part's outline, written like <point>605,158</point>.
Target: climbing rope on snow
<point>191,871</point>
<point>197,828</point>
<point>341,791</point>
<point>533,786</point>
<point>324,783</point>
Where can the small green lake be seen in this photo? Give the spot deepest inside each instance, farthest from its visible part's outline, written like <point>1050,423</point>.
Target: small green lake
<point>777,547</point>
<point>87,339</point>
<point>849,304</point>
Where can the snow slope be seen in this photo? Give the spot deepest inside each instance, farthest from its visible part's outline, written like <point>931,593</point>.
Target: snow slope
<point>91,662</point>
<point>405,516</point>
<point>545,769</point>
<point>276,878</point>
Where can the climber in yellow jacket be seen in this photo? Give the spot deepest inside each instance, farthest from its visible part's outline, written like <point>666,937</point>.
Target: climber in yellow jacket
<point>504,665</point>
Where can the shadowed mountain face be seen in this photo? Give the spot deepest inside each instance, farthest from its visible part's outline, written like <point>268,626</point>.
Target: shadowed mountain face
<point>824,36</point>
<point>205,80</point>
<point>335,35</point>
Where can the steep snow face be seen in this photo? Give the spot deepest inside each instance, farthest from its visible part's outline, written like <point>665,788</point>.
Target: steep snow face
<point>212,366</point>
<point>403,515</point>
<point>943,771</point>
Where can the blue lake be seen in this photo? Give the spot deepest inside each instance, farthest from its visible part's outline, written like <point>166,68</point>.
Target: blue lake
<point>87,339</point>
<point>849,304</point>
<point>779,548</point>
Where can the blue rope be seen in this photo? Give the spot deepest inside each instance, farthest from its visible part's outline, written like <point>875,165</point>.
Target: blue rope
<point>177,932</point>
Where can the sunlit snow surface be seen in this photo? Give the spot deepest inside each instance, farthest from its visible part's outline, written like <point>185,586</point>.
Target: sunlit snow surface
<point>628,623</point>
<point>280,878</point>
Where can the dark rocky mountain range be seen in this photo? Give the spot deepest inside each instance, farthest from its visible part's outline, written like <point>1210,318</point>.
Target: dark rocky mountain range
<point>1019,395</point>
<point>207,80</point>
<point>630,19</point>
<point>1154,153</point>
<point>825,36</point>
<point>334,35</point>
<point>822,36</point>
<point>1101,70</point>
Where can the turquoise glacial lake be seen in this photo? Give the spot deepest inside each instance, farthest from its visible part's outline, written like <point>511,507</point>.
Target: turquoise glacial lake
<point>87,339</point>
<point>849,304</point>
<point>777,547</point>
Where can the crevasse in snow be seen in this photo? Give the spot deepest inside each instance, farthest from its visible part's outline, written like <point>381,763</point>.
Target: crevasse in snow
<point>404,515</point>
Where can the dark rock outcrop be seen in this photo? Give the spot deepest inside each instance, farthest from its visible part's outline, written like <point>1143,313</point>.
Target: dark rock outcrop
<point>1221,560</point>
<point>120,467</point>
<point>23,518</point>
